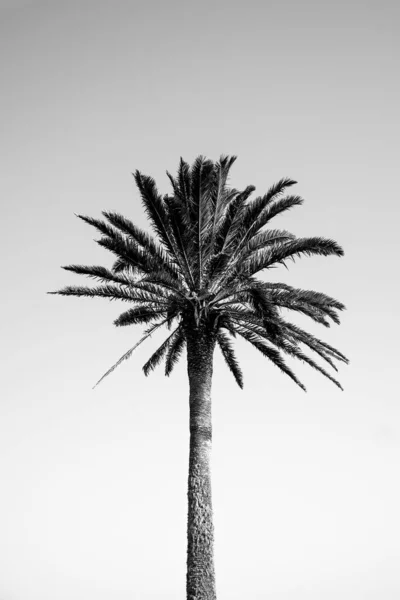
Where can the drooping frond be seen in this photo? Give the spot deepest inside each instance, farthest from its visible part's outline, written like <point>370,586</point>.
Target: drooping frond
<point>174,310</point>
<point>261,303</point>
<point>225,322</point>
<point>158,355</point>
<point>269,328</point>
<point>315,313</point>
<point>128,354</point>
<point>293,351</point>
<point>306,295</point>
<point>271,353</point>
<point>308,339</point>
<point>313,304</point>
<point>288,345</point>
<point>174,351</point>
<point>230,358</point>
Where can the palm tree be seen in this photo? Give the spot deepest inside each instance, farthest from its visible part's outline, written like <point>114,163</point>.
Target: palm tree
<point>198,277</point>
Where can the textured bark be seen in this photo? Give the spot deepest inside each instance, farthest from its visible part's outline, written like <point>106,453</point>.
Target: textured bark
<point>200,580</point>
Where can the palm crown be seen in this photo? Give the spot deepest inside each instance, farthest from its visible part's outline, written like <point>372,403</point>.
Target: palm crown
<point>200,270</point>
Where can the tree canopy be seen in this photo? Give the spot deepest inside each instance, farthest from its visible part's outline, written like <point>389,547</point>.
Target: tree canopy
<point>210,242</point>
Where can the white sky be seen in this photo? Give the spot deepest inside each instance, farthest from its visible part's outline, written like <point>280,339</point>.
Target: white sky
<point>306,486</point>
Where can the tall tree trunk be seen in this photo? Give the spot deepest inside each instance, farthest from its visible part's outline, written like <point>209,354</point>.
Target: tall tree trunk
<point>200,579</point>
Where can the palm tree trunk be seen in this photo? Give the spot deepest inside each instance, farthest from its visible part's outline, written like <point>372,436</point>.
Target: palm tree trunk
<point>200,580</point>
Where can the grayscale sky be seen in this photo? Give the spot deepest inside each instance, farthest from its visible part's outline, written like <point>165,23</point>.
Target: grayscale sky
<point>93,483</point>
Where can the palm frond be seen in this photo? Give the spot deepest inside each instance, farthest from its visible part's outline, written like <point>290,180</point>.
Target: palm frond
<point>220,197</point>
<point>224,322</point>
<point>123,266</point>
<point>269,328</point>
<point>231,223</point>
<point>290,348</point>
<point>113,292</point>
<point>311,339</point>
<point>293,351</point>
<point>230,358</point>
<point>157,356</point>
<point>271,353</point>
<point>156,288</point>
<point>155,209</point>
<point>99,273</point>
<point>200,207</point>
<point>163,280</point>
<point>143,239</point>
<point>281,205</point>
<point>242,282</point>
<point>184,179</point>
<point>174,309</point>
<point>225,235</point>
<point>128,354</point>
<point>299,339</point>
<point>259,300</point>
<point>141,314</point>
<point>267,238</point>
<point>315,313</point>
<point>216,265</point>
<point>119,245</point>
<point>130,253</point>
<point>302,246</point>
<point>104,228</point>
<point>307,295</point>
<point>259,204</point>
<point>254,217</point>
<point>183,239</point>
<point>174,351</point>
<point>181,188</point>
<point>134,292</point>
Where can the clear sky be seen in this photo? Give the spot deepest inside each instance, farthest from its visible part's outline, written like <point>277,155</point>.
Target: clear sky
<point>93,483</point>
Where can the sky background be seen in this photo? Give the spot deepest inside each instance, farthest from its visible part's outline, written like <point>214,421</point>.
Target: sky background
<point>306,487</point>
